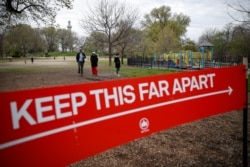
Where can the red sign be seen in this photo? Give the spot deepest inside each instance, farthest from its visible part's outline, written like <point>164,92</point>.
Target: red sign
<point>59,125</point>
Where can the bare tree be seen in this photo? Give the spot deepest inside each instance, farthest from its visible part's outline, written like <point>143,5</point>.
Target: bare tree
<point>207,35</point>
<point>111,18</point>
<point>129,43</point>
<point>77,41</point>
<point>242,9</point>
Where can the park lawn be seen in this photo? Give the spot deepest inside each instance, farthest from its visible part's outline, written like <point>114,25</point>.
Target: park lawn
<point>103,65</point>
<point>131,71</point>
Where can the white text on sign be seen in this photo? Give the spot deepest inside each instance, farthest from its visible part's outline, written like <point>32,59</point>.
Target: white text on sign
<point>61,106</point>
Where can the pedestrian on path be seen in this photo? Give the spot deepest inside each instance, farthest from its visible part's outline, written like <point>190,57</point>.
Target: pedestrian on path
<point>80,59</point>
<point>117,64</point>
<point>94,63</point>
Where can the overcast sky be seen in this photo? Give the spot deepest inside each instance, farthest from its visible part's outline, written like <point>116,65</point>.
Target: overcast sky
<point>204,14</point>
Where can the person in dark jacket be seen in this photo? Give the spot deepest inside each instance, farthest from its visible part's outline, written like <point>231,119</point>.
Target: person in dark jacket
<point>117,64</point>
<point>80,59</point>
<point>94,63</point>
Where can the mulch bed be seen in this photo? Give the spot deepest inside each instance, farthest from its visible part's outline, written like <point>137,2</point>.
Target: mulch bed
<point>215,141</point>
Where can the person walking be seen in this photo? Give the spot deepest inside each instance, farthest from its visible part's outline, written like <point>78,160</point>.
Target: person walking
<point>117,64</point>
<point>94,63</point>
<point>80,59</point>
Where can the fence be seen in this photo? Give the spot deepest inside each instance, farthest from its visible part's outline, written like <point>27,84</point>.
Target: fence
<point>183,60</point>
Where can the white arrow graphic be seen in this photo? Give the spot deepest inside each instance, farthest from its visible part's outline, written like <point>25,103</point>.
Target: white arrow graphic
<point>100,119</point>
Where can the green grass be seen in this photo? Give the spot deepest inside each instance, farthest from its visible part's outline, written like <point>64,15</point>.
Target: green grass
<point>129,71</point>
<point>103,66</point>
<point>54,54</point>
<point>140,72</point>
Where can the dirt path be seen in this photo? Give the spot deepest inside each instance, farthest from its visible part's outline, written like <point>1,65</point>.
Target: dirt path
<point>17,75</point>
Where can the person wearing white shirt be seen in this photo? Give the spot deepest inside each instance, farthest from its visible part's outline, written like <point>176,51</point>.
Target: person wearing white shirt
<point>80,58</point>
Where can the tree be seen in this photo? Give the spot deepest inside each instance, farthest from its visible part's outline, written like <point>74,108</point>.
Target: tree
<point>207,35</point>
<point>167,41</point>
<point>1,44</point>
<point>112,19</point>
<point>145,45</point>
<point>179,24</point>
<point>161,16</point>
<point>230,43</point>
<point>65,39</point>
<point>156,21</point>
<point>16,11</point>
<point>242,10</point>
<point>39,44</point>
<point>188,44</point>
<point>18,43</point>
<point>130,43</point>
<point>92,44</point>
<point>49,34</point>
<point>221,40</point>
<point>240,40</point>
<point>164,28</point>
<point>77,42</point>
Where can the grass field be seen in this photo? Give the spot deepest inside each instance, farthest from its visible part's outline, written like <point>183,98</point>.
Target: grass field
<point>19,65</point>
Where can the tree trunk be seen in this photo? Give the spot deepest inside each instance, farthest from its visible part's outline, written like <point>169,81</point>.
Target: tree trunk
<point>110,55</point>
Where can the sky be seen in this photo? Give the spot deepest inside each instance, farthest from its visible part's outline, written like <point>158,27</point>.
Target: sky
<point>204,15</point>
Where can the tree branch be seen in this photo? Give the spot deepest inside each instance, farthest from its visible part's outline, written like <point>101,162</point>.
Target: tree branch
<point>240,9</point>
<point>10,7</point>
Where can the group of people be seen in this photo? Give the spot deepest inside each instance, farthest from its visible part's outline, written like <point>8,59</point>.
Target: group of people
<point>80,58</point>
